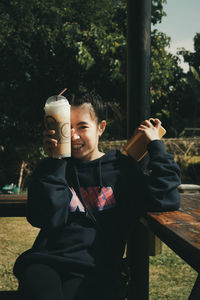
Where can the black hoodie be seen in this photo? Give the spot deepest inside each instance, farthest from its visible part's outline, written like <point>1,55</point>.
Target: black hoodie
<point>85,209</point>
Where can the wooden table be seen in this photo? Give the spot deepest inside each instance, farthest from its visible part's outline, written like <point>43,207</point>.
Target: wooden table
<point>180,230</point>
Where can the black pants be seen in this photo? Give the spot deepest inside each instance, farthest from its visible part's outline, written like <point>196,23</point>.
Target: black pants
<point>41,282</point>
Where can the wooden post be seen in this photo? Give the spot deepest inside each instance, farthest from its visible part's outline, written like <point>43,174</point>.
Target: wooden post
<point>138,62</point>
<point>138,109</point>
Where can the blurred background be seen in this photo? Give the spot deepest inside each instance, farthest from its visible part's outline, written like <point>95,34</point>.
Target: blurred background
<point>48,45</point>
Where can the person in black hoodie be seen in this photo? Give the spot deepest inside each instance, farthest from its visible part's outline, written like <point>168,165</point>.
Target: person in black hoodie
<point>85,207</point>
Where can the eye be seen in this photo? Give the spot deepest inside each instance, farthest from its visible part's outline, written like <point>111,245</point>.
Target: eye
<point>83,127</point>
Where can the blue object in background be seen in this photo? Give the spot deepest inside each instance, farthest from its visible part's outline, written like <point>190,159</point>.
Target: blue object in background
<point>10,189</point>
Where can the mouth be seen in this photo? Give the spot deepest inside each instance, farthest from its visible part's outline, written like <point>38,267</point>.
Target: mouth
<point>76,147</point>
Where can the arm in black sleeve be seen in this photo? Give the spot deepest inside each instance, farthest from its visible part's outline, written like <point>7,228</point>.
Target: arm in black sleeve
<point>161,193</point>
<point>155,190</point>
<point>48,194</point>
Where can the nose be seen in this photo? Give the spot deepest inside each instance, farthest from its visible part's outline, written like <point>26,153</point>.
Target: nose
<point>74,135</point>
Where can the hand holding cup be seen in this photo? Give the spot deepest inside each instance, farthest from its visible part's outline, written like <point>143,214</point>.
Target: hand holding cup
<point>57,136</point>
<point>49,142</point>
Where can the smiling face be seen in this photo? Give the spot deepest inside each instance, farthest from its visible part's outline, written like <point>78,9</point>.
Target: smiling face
<point>85,132</point>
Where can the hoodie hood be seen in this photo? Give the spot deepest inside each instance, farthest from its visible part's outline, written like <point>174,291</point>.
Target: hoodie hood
<point>112,155</point>
<point>94,169</point>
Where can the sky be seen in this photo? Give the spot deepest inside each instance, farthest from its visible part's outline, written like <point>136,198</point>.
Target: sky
<point>181,24</point>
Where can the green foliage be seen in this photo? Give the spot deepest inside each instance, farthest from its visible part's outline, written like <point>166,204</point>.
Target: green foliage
<point>48,45</point>
<point>157,11</point>
<point>167,83</point>
<point>190,104</point>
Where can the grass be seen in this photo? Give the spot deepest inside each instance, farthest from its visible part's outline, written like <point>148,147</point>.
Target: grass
<point>170,277</point>
<point>16,236</point>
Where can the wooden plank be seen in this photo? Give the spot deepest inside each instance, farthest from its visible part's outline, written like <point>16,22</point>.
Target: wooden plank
<point>184,239</point>
<point>153,242</point>
<point>12,197</point>
<point>180,217</point>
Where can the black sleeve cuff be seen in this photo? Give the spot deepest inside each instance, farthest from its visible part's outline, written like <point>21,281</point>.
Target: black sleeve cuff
<point>156,147</point>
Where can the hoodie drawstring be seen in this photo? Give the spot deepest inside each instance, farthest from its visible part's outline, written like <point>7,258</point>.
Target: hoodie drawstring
<point>100,177</point>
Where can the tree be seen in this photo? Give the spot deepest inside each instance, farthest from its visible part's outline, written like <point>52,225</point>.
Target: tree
<point>190,105</point>
<point>45,48</point>
<point>167,84</point>
<point>48,45</point>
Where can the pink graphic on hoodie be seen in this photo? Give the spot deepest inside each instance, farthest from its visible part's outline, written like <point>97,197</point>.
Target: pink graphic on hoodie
<point>96,199</point>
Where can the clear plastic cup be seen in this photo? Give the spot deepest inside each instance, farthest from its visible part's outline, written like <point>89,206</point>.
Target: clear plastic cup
<point>57,117</point>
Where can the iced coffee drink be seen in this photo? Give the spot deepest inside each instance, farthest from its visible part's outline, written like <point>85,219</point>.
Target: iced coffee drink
<point>57,117</point>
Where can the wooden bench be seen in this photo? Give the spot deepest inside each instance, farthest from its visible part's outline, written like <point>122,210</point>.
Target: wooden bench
<point>180,230</point>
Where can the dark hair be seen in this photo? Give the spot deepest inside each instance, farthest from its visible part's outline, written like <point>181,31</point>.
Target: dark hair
<point>96,102</point>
